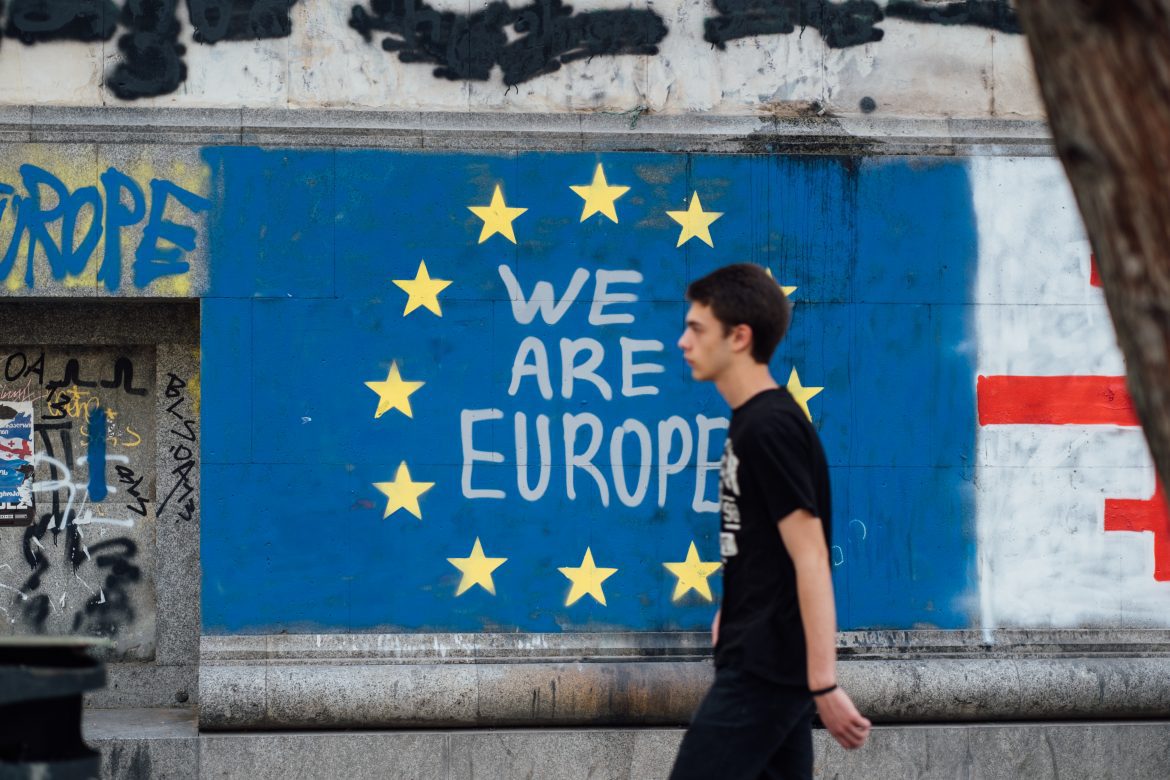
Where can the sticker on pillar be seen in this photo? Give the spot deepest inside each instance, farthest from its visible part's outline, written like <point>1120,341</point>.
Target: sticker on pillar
<point>16,463</point>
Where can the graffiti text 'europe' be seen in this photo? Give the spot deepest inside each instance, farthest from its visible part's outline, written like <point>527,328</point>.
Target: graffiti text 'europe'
<point>44,217</point>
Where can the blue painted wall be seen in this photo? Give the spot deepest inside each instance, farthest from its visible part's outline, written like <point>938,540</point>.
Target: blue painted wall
<point>302,311</point>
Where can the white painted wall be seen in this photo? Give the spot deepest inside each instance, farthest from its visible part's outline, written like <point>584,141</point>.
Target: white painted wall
<point>917,70</point>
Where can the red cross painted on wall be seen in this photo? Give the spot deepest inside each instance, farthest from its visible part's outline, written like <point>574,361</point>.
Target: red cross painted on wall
<point>1081,400</point>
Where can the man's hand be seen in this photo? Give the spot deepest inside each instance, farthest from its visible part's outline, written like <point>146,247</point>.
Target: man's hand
<point>715,629</point>
<point>848,726</point>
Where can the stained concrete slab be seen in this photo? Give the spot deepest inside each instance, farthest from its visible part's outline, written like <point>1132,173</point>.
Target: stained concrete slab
<point>133,125</point>
<point>624,130</point>
<point>177,535</point>
<point>353,688</point>
<point>403,755</point>
<point>1009,751</point>
<point>144,743</point>
<point>106,322</point>
<point>165,744</point>
<point>137,685</point>
<point>307,697</point>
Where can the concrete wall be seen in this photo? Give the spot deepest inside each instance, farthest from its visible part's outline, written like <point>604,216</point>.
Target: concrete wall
<point>162,208</point>
<point>985,513</point>
<point>902,58</point>
<point>91,559</point>
<point>112,549</point>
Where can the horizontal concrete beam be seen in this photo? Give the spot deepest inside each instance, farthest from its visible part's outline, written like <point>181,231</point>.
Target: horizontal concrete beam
<point>371,681</point>
<point>806,131</point>
<point>164,744</point>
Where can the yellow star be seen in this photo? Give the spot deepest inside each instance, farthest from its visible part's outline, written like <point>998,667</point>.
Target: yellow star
<point>801,393</point>
<point>586,579</point>
<point>787,290</point>
<point>394,393</point>
<point>423,290</point>
<point>599,196</point>
<point>497,217</point>
<point>695,222</point>
<point>477,570</point>
<point>403,492</point>
<point>692,575</point>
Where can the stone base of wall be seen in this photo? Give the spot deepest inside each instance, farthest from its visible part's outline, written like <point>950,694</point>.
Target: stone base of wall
<point>341,681</point>
<point>165,743</point>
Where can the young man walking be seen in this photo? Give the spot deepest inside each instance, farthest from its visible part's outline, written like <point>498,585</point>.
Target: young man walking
<point>775,633</point>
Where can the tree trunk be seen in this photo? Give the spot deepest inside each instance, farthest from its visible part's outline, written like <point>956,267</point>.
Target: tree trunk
<point>1104,71</point>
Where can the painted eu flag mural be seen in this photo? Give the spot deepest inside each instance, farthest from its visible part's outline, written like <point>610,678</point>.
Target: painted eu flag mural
<point>441,391</point>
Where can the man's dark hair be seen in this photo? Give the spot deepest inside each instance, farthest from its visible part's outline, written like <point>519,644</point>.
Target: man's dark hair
<point>744,294</point>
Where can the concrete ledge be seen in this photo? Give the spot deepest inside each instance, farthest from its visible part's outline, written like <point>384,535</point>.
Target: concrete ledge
<point>147,685</point>
<point>253,695</point>
<point>489,647</point>
<point>486,680</point>
<point>121,321</point>
<point>156,744</point>
<point>803,132</point>
<point>144,743</point>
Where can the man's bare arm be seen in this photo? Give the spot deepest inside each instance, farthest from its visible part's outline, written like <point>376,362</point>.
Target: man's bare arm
<point>804,540</point>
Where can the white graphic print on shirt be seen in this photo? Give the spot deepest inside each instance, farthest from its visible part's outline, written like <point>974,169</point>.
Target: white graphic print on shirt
<point>728,503</point>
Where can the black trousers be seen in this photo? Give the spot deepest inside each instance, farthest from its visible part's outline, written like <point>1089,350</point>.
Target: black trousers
<point>748,728</point>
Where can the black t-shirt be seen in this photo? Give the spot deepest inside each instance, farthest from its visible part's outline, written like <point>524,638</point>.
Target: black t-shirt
<point>773,464</point>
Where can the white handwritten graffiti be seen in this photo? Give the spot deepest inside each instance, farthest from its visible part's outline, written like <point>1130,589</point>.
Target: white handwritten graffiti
<point>83,514</point>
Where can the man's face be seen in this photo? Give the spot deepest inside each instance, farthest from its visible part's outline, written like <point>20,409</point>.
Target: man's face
<point>705,346</point>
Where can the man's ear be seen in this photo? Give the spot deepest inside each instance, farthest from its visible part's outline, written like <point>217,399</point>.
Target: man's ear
<point>741,337</point>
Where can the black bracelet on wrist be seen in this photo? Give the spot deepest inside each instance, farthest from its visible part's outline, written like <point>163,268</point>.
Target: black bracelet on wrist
<point>823,691</point>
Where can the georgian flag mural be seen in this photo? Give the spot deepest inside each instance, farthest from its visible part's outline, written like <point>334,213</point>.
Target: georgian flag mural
<point>441,391</point>
<point>1073,529</point>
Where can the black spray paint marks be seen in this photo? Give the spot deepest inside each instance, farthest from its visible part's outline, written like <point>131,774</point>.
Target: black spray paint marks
<point>64,536</point>
<point>124,377</point>
<point>57,518</point>
<point>111,609</point>
<point>546,33</point>
<point>240,20</point>
<point>126,476</point>
<point>34,21</point>
<point>840,24</point>
<point>994,14</point>
<point>56,399</point>
<point>17,366</point>
<point>463,46</point>
<point>71,376</point>
<point>552,34</point>
<point>468,46</point>
<point>851,23</point>
<point>152,57</point>
<point>182,493</point>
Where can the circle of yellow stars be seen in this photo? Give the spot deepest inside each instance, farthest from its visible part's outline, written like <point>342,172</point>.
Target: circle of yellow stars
<point>394,392</point>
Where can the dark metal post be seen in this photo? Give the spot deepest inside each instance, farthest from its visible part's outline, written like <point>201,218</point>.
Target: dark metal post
<point>42,680</point>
